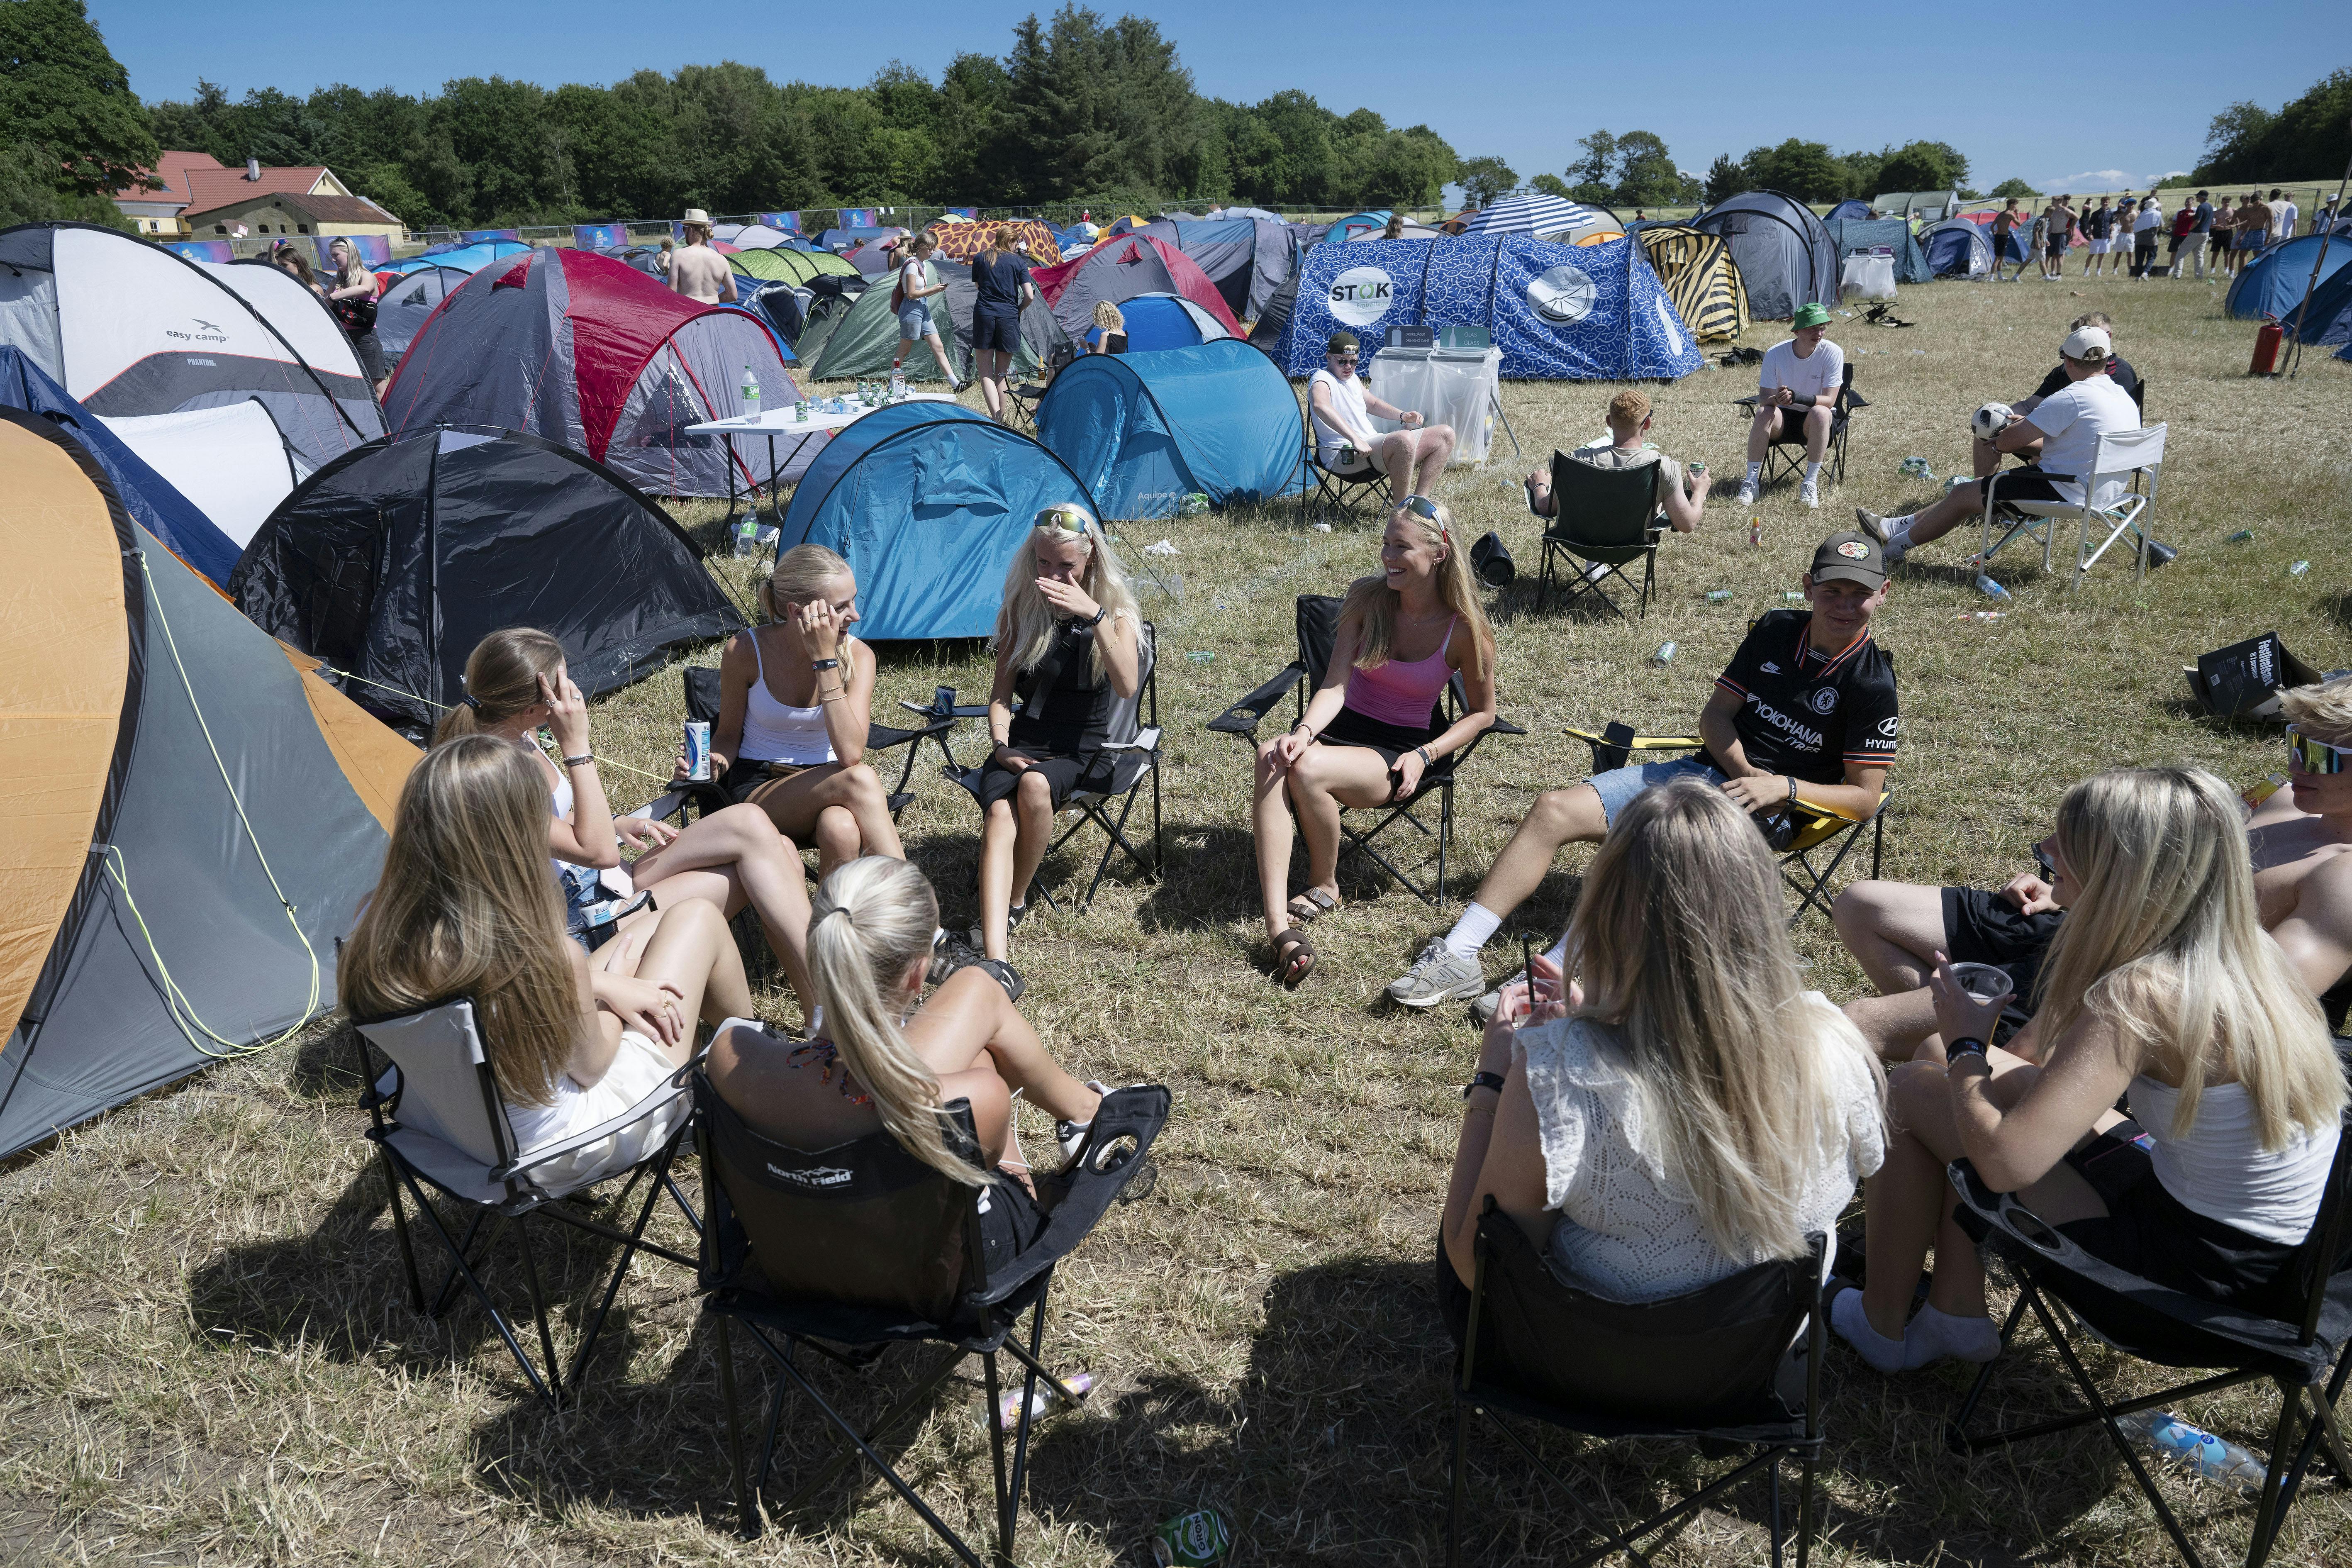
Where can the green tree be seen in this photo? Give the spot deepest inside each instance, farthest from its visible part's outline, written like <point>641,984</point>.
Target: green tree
<point>1485,181</point>
<point>1724,179</point>
<point>1599,160</point>
<point>2013,188</point>
<point>65,94</point>
<point>2310,136</point>
<point>1552,186</point>
<point>1646,175</point>
<point>1922,166</point>
<point>1805,170</point>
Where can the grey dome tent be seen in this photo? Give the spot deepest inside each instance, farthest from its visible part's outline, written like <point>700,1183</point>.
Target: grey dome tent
<point>392,563</point>
<point>1957,248</point>
<point>1247,259</point>
<point>1785,255</point>
<point>404,308</point>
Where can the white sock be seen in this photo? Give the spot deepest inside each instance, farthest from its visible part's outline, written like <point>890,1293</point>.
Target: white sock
<point>1470,932</point>
<point>1853,1326</point>
<point>1813,472</point>
<point>1755,472</point>
<point>1898,534</point>
<point>1934,1335</point>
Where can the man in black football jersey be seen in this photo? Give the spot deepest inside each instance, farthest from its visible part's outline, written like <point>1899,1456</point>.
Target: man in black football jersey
<point>1805,714</point>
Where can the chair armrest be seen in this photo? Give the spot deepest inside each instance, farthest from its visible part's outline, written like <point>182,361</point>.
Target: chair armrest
<point>883,737</point>
<point>662,808</point>
<point>1146,740</point>
<point>1831,813</point>
<point>1502,726</point>
<point>1856,400</point>
<point>1747,403</point>
<point>1645,742</point>
<point>1244,716</point>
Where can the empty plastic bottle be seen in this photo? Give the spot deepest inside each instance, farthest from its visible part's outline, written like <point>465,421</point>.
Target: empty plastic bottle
<point>750,391</point>
<point>2214,1458</point>
<point>1990,589</point>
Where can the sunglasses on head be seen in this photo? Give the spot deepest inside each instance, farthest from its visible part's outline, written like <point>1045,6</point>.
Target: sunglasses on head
<point>2316,756</point>
<point>1063,517</point>
<point>1425,508</point>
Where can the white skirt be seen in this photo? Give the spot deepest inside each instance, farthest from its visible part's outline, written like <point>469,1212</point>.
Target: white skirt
<point>639,1069</point>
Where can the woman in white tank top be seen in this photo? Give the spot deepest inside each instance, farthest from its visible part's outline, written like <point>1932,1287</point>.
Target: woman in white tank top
<point>794,699</point>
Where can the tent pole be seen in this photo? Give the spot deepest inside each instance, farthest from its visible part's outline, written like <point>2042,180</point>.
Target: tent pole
<point>2295,368</point>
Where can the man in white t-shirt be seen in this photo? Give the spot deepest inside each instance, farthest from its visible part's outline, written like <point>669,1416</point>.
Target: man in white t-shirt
<point>2283,212</point>
<point>1796,389</point>
<point>698,271</point>
<point>1342,411</point>
<point>2068,423</point>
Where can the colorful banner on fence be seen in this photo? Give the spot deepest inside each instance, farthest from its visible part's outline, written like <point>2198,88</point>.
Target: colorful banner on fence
<point>600,236</point>
<point>789,222</point>
<point>475,236</point>
<point>374,249</point>
<point>855,218</point>
<point>203,250</point>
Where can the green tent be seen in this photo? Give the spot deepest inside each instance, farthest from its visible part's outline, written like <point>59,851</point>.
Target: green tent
<point>860,342</point>
<point>788,266</point>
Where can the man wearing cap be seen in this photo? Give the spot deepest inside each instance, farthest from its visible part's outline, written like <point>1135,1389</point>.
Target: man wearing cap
<point>2066,426</point>
<point>1984,456</point>
<point>1629,422</point>
<point>1796,389</point>
<point>698,271</point>
<point>1345,442</point>
<point>1805,714</point>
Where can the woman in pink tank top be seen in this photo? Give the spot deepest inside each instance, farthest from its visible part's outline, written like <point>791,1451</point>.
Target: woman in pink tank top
<point>1376,725</point>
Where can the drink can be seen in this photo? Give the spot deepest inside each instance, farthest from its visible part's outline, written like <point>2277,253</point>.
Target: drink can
<point>1696,469</point>
<point>1716,595</point>
<point>1197,1540</point>
<point>2243,536</point>
<point>697,751</point>
<point>1666,654</point>
<point>2298,569</point>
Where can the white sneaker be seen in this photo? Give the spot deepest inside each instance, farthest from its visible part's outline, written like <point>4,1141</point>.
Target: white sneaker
<point>1747,493</point>
<point>1809,496</point>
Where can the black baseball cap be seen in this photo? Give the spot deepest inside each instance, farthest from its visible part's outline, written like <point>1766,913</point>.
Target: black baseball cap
<point>1850,558</point>
<point>1341,344</point>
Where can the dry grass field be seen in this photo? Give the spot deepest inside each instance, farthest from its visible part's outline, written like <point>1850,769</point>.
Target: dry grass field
<point>206,1355</point>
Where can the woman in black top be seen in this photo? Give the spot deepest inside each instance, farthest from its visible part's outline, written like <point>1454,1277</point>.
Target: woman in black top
<point>999,284</point>
<point>1069,640</point>
<point>352,296</point>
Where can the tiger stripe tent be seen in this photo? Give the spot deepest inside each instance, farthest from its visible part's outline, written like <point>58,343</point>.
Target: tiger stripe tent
<point>194,816</point>
<point>1700,277</point>
<point>963,240</point>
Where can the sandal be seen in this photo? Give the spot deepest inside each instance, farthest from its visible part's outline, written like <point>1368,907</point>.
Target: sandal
<point>1294,956</point>
<point>1312,905</point>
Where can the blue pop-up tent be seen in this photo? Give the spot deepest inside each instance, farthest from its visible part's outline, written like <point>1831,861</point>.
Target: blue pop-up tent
<point>1145,430</point>
<point>928,502</point>
<point>2271,288</point>
<point>151,499</point>
<point>1957,248</point>
<point>2328,317</point>
<point>1568,312</point>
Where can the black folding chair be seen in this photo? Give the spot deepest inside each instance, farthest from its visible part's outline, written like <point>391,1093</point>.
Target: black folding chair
<point>1779,460</point>
<point>438,1060</point>
<point>1022,401</point>
<point>1337,492</point>
<point>2306,1357</point>
<point>1735,1363</point>
<point>1133,748</point>
<point>847,1251</point>
<point>1319,626</point>
<point>1607,518</point>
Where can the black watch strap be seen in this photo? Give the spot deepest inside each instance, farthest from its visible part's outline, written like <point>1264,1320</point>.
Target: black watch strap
<point>1493,1080</point>
<point>825,664</point>
<point>1966,1045</point>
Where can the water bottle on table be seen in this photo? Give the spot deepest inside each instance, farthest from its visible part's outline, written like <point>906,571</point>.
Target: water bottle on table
<point>750,392</point>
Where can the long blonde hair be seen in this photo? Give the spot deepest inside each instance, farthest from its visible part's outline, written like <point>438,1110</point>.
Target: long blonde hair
<point>1372,600</point>
<point>871,921</point>
<point>2163,939</point>
<point>353,273</point>
<point>800,575</point>
<point>467,906</point>
<point>1026,622</point>
<point>1683,952</point>
<point>502,679</point>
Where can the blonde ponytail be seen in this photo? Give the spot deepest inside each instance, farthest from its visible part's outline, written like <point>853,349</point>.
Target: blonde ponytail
<point>870,923</point>
<point>502,679</point>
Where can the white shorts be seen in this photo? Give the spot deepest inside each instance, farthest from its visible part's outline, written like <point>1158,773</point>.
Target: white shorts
<point>2099,247</point>
<point>639,1068</point>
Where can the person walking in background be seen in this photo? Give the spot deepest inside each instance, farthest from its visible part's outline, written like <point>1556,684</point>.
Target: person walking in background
<point>915,323</point>
<point>1001,287</point>
<point>2036,239</point>
<point>2225,226</point>
<point>2147,226</point>
<point>2201,234</point>
<point>2057,234</point>
<point>662,257</point>
<point>352,299</point>
<point>2005,241</point>
<point>696,270</point>
<point>2098,228</point>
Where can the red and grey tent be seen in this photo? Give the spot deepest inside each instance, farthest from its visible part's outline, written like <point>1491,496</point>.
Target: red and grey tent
<point>1119,270</point>
<point>590,352</point>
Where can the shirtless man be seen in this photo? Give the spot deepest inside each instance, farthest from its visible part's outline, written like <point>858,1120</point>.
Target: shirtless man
<point>2301,845</point>
<point>698,271</point>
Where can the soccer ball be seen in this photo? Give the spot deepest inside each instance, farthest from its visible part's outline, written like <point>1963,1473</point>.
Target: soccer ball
<point>1990,420</point>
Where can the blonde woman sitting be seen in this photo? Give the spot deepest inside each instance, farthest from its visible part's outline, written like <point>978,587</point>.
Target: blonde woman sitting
<point>885,1058</point>
<point>1367,737</point>
<point>1109,334</point>
<point>516,683</point>
<point>465,908</point>
<point>1694,1110</point>
<point>795,697</point>
<point>1069,644</point>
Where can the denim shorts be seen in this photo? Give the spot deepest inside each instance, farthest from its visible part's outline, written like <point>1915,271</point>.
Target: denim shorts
<point>915,321</point>
<point>1618,786</point>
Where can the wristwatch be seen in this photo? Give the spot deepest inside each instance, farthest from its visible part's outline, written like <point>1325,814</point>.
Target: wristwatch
<point>1493,1080</point>
<point>1966,1045</point>
<point>825,664</point>
<point>1100,611</point>
<point>581,761</point>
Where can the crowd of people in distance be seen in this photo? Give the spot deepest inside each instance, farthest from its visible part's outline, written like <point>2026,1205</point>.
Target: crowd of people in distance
<point>2120,228</point>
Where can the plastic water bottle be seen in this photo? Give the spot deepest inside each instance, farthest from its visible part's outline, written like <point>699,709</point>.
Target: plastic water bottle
<point>2213,1459</point>
<point>898,385</point>
<point>1990,589</point>
<point>750,391</point>
<point>1756,532</point>
<point>747,537</point>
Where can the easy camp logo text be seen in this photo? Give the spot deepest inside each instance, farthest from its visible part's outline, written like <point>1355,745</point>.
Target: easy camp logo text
<point>1361,295</point>
<point>202,331</point>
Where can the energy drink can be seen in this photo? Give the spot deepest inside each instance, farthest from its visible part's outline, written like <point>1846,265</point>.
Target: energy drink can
<point>1197,1540</point>
<point>697,751</point>
<point>2243,536</point>
<point>1666,654</point>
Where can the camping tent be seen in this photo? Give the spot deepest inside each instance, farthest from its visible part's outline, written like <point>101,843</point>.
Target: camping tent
<point>928,502</point>
<point>1556,311</point>
<point>1041,334</point>
<point>1405,231</point>
<point>194,819</point>
<point>1547,217</point>
<point>2271,288</point>
<point>1357,224</point>
<point>463,258</point>
<point>844,239</point>
<point>1158,321</point>
<point>1145,430</point>
<point>232,461</point>
<point>591,353</point>
<point>1785,254</point>
<point>1931,207</point>
<point>962,241</point>
<point>146,495</point>
<point>392,563</point>
<point>1118,271</point>
<point>864,340</point>
<point>1700,277</point>
<point>790,264</point>
<point>1850,234</point>
<point>778,305</point>
<point>2328,317</point>
<point>873,257</point>
<point>1957,248</point>
<point>1246,258</point>
<point>403,307</point>
<point>1850,207</point>
<point>127,327</point>
<point>756,236</point>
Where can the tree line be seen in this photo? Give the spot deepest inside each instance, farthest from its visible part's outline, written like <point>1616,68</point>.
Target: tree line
<point>2310,137</point>
<point>1632,169</point>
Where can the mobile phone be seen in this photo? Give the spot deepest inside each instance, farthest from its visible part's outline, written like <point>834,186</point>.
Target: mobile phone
<point>944,698</point>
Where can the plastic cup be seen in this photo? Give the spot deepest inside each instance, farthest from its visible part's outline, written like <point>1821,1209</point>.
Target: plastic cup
<point>1983,981</point>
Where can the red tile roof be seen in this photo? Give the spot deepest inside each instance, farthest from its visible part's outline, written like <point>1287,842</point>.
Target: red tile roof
<point>200,182</point>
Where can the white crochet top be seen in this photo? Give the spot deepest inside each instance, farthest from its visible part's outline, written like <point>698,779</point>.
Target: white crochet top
<point>1628,1229</point>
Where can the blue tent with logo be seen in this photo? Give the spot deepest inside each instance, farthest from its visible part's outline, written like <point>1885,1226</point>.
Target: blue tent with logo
<point>2271,288</point>
<point>1558,313</point>
<point>1145,430</point>
<point>1354,224</point>
<point>1957,248</point>
<point>1160,321</point>
<point>928,502</point>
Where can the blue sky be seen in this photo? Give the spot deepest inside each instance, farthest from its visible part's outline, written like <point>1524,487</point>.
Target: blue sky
<point>2059,94</point>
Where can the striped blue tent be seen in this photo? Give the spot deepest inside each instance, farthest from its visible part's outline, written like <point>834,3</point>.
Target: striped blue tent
<point>1533,214</point>
<point>1145,430</point>
<point>928,502</point>
<point>1558,313</point>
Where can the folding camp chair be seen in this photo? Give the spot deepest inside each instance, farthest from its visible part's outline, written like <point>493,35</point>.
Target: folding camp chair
<point>438,1060</point>
<point>1319,626</point>
<point>1134,749</point>
<point>2136,454</point>
<point>845,1252</point>
<point>1818,827</point>
<point>1021,402</point>
<point>1779,462</point>
<point>1339,492</point>
<point>1735,1363</point>
<point>1607,517</point>
<point>2305,1357</point>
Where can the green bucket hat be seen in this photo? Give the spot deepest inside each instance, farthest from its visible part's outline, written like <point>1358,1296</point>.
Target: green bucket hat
<point>1811,316</point>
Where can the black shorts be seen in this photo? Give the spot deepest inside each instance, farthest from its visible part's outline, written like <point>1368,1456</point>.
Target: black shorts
<point>2024,484</point>
<point>371,354</point>
<point>1390,741</point>
<point>2054,249</point>
<point>1065,776</point>
<point>2154,1234</point>
<point>1984,928</point>
<point>1792,422</point>
<point>995,327</point>
<point>744,776</point>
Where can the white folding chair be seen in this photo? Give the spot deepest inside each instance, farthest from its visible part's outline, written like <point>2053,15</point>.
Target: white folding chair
<point>438,1065</point>
<point>2122,455</point>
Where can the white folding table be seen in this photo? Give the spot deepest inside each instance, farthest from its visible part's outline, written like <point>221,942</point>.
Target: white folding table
<point>775,423</point>
<point>1459,387</point>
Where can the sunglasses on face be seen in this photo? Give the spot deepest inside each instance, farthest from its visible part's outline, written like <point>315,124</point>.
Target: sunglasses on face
<point>2316,756</point>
